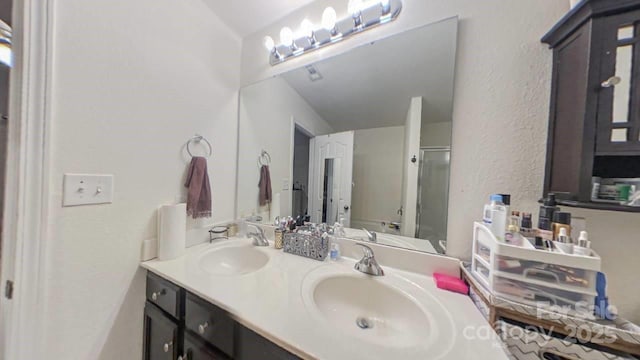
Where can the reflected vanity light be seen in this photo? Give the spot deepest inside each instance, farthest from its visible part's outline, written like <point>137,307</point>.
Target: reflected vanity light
<point>6,56</point>
<point>362,15</point>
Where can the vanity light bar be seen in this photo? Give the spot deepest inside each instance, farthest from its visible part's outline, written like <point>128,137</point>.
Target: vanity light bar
<point>369,15</point>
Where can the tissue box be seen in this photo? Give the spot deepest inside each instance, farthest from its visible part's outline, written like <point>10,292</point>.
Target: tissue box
<point>309,246</point>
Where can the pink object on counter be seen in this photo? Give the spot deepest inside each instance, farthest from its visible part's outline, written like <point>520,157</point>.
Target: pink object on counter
<point>450,283</point>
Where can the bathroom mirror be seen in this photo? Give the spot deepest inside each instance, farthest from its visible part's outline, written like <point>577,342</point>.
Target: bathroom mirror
<point>362,138</point>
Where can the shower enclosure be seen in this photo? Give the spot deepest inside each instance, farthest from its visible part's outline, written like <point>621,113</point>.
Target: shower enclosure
<point>433,195</point>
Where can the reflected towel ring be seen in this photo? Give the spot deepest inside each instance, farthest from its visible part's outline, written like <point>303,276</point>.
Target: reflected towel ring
<point>264,158</point>
<point>197,139</point>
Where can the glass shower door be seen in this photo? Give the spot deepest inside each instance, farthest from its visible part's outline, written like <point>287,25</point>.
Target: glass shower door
<point>433,195</point>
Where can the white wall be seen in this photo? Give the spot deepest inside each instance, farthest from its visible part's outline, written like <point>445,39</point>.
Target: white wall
<point>436,134</point>
<point>132,82</point>
<point>266,112</point>
<point>500,116</point>
<point>377,166</point>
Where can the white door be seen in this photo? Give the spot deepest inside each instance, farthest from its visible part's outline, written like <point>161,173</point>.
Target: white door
<point>411,166</point>
<point>330,177</point>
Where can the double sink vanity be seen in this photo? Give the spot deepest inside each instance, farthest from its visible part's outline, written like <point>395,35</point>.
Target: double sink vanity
<point>231,299</point>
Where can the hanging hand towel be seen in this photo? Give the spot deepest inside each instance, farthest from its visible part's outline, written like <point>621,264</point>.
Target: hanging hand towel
<point>199,193</point>
<point>265,186</point>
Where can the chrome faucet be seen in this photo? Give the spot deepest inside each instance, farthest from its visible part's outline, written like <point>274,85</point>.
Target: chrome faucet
<point>368,263</point>
<point>259,238</point>
<point>373,237</point>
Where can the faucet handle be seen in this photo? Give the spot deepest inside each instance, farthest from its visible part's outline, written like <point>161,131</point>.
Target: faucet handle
<point>373,237</point>
<point>368,263</point>
<point>368,252</point>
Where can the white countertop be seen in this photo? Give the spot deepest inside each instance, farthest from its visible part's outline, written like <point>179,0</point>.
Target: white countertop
<point>271,302</point>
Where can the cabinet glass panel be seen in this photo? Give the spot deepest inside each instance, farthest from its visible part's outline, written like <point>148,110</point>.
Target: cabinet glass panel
<point>622,91</point>
<point>619,135</point>
<point>626,32</point>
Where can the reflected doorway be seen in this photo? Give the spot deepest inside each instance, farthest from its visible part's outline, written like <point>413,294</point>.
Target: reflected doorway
<point>300,188</point>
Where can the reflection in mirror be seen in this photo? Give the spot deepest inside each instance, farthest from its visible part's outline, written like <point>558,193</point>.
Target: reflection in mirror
<point>622,91</point>
<point>331,191</point>
<point>362,139</point>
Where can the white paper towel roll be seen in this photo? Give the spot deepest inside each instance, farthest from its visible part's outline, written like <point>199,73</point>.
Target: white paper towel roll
<point>172,231</point>
<point>275,208</point>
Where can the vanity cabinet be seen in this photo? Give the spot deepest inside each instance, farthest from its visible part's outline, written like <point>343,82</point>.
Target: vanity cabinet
<point>197,349</point>
<point>594,124</point>
<point>160,335</point>
<point>211,323</point>
<point>179,325</point>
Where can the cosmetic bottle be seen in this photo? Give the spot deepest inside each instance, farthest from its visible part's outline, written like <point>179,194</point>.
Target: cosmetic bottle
<point>506,200</point>
<point>561,220</point>
<point>545,219</point>
<point>563,242</point>
<point>513,236</point>
<point>334,253</point>
<point>583,247</point>
<point>495,216</point>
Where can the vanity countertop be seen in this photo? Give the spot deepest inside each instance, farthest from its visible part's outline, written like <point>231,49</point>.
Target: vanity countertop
<point>275,302</point>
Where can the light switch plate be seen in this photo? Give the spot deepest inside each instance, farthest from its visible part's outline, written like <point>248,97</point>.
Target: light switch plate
<point>87,189</point>
<point>285,184</point>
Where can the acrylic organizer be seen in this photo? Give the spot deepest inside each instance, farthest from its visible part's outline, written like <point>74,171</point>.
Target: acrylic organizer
<point>307,245</point>
<point>534,277</point>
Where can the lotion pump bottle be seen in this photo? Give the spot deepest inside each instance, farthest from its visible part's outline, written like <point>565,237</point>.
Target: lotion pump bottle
<point>495,216</point>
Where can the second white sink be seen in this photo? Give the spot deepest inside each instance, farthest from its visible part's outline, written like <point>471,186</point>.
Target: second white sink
<point>383,311</point>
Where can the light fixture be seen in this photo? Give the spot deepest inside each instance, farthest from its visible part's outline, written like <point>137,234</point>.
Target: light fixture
<point>355,9</point>
<point>329,18</point>
<point>363,15</point>
<point>306,28</point>
<point>6,56</point>
<point>269,44</point>
<point>355,6</point>
<point>286,36</point>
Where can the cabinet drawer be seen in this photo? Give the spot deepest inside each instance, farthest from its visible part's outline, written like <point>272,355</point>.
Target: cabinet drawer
<point>164,294</point>
<point>210,322</point>
<point>160,335</point>
<point>252,346</point>
<point>196,349</point>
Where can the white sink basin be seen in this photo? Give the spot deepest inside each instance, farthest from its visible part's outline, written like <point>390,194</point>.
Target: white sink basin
<point>382,311</point>
<point>233,260</point>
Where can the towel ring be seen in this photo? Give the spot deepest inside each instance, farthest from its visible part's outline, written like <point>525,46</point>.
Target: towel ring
<point>264,158</point>
<point>197,139</point>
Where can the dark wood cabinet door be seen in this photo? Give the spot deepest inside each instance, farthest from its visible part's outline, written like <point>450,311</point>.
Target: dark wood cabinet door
<point>251,346</point>
<point>573,107</point>
<point>619,101</point>
<point>196,349</point>
<point>160,335</point>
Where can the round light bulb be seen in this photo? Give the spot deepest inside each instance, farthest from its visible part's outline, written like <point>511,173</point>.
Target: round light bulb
<point>355,7</point>
<point>329,18</point>
<point>269,44</point>
<point>286,36</point>
<point>306,28</point>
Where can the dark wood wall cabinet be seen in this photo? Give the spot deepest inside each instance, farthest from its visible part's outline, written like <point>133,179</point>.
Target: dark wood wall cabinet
<point>179,325</point>
<point>593,148</point>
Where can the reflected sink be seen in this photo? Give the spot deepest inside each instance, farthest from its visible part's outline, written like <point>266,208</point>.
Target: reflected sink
<point>370,309</point>
<point>233,260</point>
